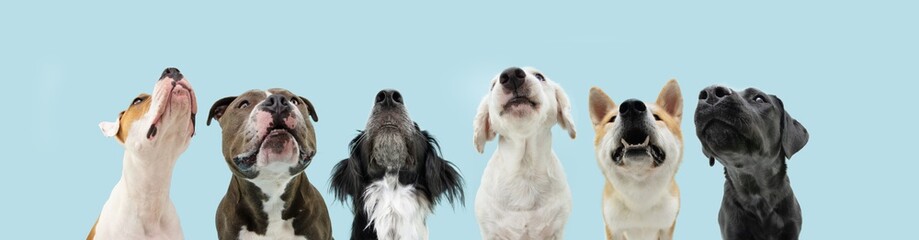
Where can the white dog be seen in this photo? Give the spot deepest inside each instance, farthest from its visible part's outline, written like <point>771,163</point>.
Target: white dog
<point>154,130</point>
<point>524,193</point>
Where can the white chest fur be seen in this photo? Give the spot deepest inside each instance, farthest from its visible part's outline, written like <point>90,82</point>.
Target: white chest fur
<point>278,228</point>
<point>395,210</point>
<point>648,222</point>
<point>523,196</point>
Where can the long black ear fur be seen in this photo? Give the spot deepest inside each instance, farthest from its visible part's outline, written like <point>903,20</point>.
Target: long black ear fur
<point>347,176</point>
<point>440,176</point>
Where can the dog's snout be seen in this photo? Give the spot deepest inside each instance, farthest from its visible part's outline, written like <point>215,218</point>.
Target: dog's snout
<point>714,94</point>
<point>276,104</point>
<point>632,107</point>
<point>171,72</point>
<point>513,78</point>
<point>389,97</point>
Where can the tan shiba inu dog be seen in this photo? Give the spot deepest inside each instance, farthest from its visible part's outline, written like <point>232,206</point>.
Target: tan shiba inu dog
<point>639,148</point>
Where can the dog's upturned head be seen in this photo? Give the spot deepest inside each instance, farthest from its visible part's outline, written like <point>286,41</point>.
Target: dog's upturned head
<point>266,132</point>
<point>519,103</point>
<point>392,144</point>
<point>167,116</point>
<point>741,126</point>
<point>636,139</point>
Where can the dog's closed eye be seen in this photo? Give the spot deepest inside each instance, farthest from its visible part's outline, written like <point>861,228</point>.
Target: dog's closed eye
<point>540,77</point>
<point>657,118</point>
<point>613,119</point>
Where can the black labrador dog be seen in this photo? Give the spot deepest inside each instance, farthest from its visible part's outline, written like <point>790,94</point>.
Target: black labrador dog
<point>752,135</point>
<point>395,175</point>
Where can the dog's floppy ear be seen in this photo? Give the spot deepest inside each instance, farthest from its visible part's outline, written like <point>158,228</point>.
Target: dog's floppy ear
<point>309,107</point>
<point>671,100</point>
<point>347,175</point>
<point>794,135</point>
<point>440,176</point>
<point>564,111</point>
<point>481,125</point>
<point>600,105</point>
<point>110,129</point>
<point>219,108</point>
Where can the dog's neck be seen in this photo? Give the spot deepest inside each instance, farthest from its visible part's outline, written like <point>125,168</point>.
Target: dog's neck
<point>759,188</point>
<point>146,179</point>
<point>531,151</point>
<point>271,194</point>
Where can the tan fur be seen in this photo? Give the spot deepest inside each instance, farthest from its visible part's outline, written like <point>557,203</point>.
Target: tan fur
<point>134,112</point>
<point>92,232</point>
<point>600,99</point>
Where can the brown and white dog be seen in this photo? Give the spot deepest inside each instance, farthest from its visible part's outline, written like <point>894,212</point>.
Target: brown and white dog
<point>155,130</point>
<point>524,192</point>
<point>639,148</point>
<point>268,140</point>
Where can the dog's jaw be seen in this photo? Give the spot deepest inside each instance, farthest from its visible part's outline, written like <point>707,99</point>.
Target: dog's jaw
<point>634,168</point>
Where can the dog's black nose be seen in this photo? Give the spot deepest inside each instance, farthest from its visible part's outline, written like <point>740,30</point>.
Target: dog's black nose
<point>632,107</point>
<point>512,78</point>
<point>276,104</point>
<point>714,94</point>
<point>389,97</point>
<point>173,73</point>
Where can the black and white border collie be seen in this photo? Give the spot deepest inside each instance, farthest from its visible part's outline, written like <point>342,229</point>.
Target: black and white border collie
<point>394,176</point>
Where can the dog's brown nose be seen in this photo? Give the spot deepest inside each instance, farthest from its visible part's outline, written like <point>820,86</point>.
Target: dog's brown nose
<point>512,78</point>
<point>389,97</point>
<point>714,94</point>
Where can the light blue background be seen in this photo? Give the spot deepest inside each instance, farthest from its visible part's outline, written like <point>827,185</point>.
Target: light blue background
<point>847,71</point>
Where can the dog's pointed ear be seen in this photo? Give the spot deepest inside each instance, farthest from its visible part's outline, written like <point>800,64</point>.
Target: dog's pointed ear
<point>671,100</point>
<point>219,108</point>
<point>794,135</point>
<point>481,125</point>
<point>310,108</point>
<point>564,111</point>
<point>440,176</point>
<point>347,175</point>
<point>600,105</point>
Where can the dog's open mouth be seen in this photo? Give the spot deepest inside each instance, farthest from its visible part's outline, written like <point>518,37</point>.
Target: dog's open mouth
<point>518,100</point>
<point>637,150</point>
<point>246,161</point>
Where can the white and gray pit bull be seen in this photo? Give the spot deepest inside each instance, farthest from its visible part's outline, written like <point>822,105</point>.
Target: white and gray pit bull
<point>267,143</point>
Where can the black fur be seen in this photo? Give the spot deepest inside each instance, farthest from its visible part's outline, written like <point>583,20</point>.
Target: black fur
<point>751,134</point>
<point>434,177</point>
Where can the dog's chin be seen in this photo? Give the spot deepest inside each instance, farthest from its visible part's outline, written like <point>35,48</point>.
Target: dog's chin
<point>720,136</point>
<point>279,152</point>
<point>519,107</point>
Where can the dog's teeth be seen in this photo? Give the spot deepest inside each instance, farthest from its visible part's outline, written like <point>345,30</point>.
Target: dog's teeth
<point>647,140</point>
<point>624,143</point>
